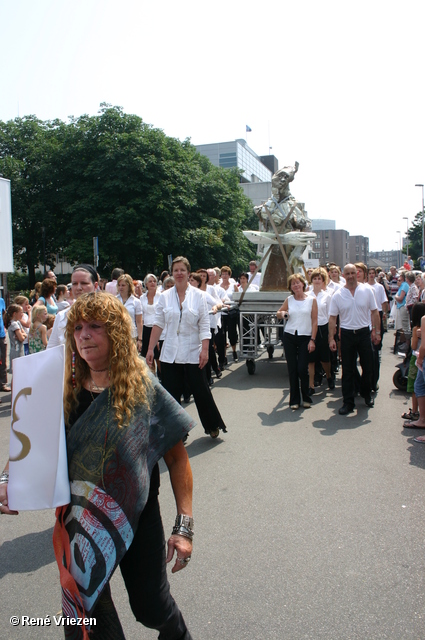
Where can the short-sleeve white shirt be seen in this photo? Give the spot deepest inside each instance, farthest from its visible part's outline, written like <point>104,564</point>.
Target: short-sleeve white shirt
<point>323,303</point>
<point>380,295</point>
<point>148,310</point>
<point>134,308</point>
<point>353,310</point>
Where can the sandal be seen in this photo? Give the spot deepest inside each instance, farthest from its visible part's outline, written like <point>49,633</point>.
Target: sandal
<point>410,415</point>
<point>420,439</point>
<point>215,433</point>
<point>410,425</point>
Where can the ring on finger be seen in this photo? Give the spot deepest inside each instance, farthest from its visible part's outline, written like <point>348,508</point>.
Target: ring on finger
<point>184,561</point>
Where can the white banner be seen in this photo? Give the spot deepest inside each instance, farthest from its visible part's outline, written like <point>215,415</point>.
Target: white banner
<point>38,465</point>
<point>6,245</point>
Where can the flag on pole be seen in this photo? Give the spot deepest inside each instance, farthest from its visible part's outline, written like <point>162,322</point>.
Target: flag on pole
<point>248,129</point>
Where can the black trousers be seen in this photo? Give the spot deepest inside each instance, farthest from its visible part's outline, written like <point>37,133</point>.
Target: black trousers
<point>230,325</point>
<point>296,352</point>
<point>144,573</point>
<point>220,343</point>
<point>351,345</point>
<point>173,376</point>
<point>3,368</point>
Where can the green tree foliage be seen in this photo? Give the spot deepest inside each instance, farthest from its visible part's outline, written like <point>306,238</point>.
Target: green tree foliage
<point>415,237</point>
<point>145,195</point>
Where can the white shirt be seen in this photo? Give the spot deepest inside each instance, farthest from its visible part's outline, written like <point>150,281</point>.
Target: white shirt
<point>354,311</point>
<point>57,336</point>
<point>323,303</point>
<point>186,327</point>
<point>148,310</point>
<point>333,286</point>
<point>256,280</point>
<point>299,316</point>
<point>380,295</point>
<point>134,308</point>
<point>111,287</point>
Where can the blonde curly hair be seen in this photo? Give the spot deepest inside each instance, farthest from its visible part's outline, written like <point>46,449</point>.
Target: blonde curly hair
<point>129,377</point>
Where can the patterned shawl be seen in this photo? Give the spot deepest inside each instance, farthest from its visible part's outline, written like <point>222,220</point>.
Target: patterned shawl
<point>95,530</point>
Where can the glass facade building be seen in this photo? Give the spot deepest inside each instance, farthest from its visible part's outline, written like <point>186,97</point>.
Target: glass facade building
<point>237,154</point>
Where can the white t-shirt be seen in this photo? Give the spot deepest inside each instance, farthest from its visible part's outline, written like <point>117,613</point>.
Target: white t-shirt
<point>57,336</point>
<point>186,327</point>
<point>299,316</point>
<point>380,295</point>
<point>148,310</point>
<point>111,287</point>
<point>256,280</point>
<point>323,303</point>
<point>353,310</point>
<point>134,308</point>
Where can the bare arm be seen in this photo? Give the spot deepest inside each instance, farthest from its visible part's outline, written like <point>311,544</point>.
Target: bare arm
<point>283,309</point>
<point>181,479</point>
<point>155,334</point>
<point>332,331</point>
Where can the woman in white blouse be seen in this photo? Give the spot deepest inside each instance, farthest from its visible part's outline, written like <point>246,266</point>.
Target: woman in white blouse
<point>126,295</point>
<point>182,310</point>
<point>319,280</point>
<point>149,300</point>
<point>299,338</point>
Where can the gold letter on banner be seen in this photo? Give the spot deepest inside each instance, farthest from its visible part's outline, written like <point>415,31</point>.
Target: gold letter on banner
<point>23,439</point>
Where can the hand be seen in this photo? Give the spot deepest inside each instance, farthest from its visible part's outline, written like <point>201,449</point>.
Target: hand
<point>332,345</point>
<point>203,359</point>
<point>376,339</point>
<point>149,357</point>
<point>418,333</point>
<point>4,509</point>
<point>139,345</point>
<point>311,346</point>
<point>183,547</point>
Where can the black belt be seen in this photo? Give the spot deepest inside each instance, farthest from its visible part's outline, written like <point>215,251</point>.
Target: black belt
<point>357,331</point>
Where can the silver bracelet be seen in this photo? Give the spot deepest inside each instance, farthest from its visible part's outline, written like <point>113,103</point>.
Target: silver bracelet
<point>182,531</point>
<point>4,478</point>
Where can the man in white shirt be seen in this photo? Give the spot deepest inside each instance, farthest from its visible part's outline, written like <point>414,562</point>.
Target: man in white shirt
<point>256,281</point>
<point>111,287</point>
<point>355,304</point>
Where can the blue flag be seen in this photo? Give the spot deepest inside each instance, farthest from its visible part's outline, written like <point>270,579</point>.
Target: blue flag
<point>248,129</point>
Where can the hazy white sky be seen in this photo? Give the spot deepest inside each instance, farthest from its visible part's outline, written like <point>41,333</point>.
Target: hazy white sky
<point>336,85</point>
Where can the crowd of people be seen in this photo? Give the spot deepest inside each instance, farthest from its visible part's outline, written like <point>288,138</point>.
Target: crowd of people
<point>128,342</point>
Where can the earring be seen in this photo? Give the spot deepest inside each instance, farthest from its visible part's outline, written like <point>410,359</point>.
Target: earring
<point>74,384</point>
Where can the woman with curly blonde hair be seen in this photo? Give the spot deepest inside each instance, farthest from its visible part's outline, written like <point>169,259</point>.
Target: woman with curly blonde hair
<point>119,423</point>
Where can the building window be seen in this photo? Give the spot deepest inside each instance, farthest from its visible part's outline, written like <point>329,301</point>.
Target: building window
<point>326,245</point>
<point>326,254</point>
<point>316,245</point>
<point>326,234</point>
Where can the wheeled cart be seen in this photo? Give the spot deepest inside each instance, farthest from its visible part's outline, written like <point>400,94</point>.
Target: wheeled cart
<point>258,325</point>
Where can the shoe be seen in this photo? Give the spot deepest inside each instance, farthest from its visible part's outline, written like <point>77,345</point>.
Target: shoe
<point>186,399</point>
<point>294,407</point>
<point>218,374</point>
<point>345,410</point>
<point>311,391</point>
<point>420,439</point>
<point>307,405</point>
<point>410,425</point>
<point>235,356</point>
<point>410,415</point>
<point>331,383</point>
<point>225,361</point>
<point>6,389</point>
<point>215,433</point>
<point>369,402</point>
<point>211,382</point>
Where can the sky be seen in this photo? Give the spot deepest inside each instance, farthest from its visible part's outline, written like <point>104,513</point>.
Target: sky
<point>335,85</point>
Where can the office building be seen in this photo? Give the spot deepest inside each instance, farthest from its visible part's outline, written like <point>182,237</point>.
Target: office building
<point>237,153</point>
<point>331,245</point>
<point>320,224</point>
<point>359,249</point>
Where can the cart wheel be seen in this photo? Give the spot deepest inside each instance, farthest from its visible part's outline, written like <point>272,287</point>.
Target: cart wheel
<point>250,365</point>
<point>270,351</point>
<point>400,381</point>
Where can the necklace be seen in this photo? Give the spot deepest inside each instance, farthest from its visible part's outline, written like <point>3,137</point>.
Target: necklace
<point>95,387</point>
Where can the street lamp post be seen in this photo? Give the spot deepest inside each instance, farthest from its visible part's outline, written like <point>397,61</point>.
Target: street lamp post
<point>407,236</point>
<point>423,239</point>
<point>399,247</point>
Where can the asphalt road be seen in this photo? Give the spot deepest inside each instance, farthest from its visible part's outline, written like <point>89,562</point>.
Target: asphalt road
<point>308,525</point>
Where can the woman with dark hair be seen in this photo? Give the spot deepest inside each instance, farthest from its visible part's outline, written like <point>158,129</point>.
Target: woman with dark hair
<point>299,338</point>
<point>48,288</point>
<point>119,423</point>
<point>182,311</point>
<point>84,279</point>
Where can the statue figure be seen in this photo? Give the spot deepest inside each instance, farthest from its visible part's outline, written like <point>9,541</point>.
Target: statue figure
<point>287,229</point>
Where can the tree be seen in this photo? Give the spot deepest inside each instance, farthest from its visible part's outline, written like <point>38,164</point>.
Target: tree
<point>415,237</point>
<point>145,195</point>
